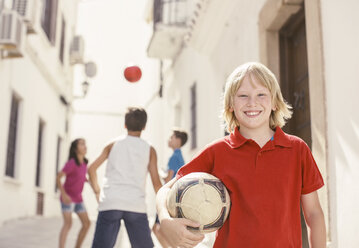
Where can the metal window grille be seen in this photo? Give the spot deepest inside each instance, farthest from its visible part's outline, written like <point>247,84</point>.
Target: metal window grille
<point>171,12</point>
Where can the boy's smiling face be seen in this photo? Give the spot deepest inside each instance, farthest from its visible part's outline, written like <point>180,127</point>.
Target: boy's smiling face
<point>252,105</point>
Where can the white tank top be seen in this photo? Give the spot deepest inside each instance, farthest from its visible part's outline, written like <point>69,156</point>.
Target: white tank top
<point>125,176</point>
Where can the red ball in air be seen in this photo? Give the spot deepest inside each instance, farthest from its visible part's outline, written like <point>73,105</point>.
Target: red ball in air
<point>132,73</point>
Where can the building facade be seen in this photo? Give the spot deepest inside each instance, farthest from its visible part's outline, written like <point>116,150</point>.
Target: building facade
<point>311,47</point>
<point>36,85</point>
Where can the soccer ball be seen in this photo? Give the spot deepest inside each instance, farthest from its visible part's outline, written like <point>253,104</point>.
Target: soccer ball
<point>200,197</point>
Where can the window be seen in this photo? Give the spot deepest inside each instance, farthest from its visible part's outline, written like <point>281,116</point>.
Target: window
<point>39,152</point>
<point>193,117</point>
<point>11,143</point>
<point>48,19</point>
<point>62,41</point>
<point>58,151</point>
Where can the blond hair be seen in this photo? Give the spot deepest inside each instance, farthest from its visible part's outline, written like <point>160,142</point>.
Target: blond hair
<point>261,73</point>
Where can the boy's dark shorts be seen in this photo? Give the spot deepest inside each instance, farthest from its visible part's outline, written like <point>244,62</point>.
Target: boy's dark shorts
<point>108,225</point>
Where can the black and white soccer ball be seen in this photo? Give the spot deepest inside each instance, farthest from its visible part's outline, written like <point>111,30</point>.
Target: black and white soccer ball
<point>200,197</point>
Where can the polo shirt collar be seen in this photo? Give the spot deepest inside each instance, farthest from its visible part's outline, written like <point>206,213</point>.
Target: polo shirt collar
<point>281,139</point>
<point>235,139</point>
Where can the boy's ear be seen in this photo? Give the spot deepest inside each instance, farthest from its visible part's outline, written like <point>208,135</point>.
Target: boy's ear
<point>274,108</point>
<point>231,109</point>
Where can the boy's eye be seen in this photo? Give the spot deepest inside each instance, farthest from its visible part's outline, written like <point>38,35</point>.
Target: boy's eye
<point>261,94</point>
<point>242,95</point>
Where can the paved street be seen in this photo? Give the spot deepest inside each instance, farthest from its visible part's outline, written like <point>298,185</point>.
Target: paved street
<point>38,232</point>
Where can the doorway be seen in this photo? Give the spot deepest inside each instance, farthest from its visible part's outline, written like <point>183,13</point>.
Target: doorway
<point>295,83</point>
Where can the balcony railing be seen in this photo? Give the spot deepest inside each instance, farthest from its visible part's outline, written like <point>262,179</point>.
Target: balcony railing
<point>169,28</point>
<point>170,12</point>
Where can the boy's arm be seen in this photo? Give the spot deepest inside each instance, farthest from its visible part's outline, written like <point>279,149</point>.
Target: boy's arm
<point>94,166</point>
<point>169,176</point>
<point>315,220</point>
<point>152,168</point>
<point>175,229</point>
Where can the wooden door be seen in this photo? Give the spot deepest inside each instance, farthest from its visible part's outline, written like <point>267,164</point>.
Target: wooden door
<point>40,203</point>
<point>294,76</point>
<point>295,83</point>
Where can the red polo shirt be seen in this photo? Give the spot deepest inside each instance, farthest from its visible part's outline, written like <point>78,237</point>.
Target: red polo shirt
<point>265,185</point>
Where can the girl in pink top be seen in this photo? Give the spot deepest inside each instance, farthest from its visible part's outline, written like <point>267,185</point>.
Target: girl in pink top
<point>71,191</point>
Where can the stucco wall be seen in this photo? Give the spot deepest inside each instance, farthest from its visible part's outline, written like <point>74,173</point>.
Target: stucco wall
<point>38,100</point>
<point>38,79</point>
<point>340,22</point>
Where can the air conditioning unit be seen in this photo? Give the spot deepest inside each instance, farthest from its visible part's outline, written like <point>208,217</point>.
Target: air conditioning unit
<point>12,34</point>
<point>77,50</point>
<point>28,9</point>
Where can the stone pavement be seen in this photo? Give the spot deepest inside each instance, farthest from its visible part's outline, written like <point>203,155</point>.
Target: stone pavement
<point>43,232</point>
<point>40,232</point>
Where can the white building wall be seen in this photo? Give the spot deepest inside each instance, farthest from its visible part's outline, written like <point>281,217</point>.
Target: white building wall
<point>210,62</point>
<point>38,79</point>
<point>340,21</point>
<point>209,89</point>
<point>238,42</point>
<point>38,100</point>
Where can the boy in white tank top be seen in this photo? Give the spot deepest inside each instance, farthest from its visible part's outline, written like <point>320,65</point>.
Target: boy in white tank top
<point>129,158</point>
